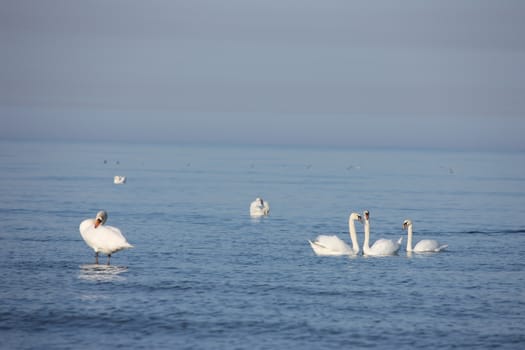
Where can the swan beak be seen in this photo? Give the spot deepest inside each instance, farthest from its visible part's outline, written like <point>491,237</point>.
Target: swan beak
<point>97,223</point>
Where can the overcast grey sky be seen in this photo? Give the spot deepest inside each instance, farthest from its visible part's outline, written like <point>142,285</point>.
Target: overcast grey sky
<point>446,74</point>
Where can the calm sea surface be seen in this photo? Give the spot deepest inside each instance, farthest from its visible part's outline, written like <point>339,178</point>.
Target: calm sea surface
<point>204,275</point>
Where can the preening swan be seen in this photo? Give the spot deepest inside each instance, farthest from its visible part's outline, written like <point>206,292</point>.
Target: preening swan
<point>333,245</point>
<point>119,180</point>
<point>103,239</point>
<point>259,207</point>
<point>381,247</point>
<point>423,246</point>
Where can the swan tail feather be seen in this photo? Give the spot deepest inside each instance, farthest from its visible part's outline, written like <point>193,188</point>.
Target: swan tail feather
<point>400,240</point>
<point>443,247</point>
<point>316,244</point>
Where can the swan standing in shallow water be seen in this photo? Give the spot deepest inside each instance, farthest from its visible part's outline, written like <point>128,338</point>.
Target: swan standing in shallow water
<point>103,239</point>
<point>423,246</point>
<point>333,245</point>
<point>381,247</point>
<point>259,208</point>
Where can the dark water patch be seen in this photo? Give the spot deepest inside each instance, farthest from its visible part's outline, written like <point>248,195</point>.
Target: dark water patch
<point>495,232</point>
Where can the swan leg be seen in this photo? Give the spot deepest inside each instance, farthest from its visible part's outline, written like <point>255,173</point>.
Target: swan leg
<point>96,258</point>
<point>109,256</point>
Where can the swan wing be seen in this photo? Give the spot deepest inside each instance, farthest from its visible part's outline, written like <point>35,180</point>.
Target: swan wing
<point>429,245</point>
<point>330,245</point>
<point>104,239</point>
<point>319,249</point>
<point>115,239</point>
<point>266,208</point>
<point>383,247</point>
<point>256,209</point>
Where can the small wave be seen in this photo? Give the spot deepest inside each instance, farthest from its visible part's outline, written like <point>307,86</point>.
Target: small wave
<point>491,232</point>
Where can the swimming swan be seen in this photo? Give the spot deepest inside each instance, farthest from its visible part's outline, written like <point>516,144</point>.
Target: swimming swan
<point>333,245</point>
<point>259,208</point>
<point>103,239</point>
<point>119,180</point>
<point>381,247</point>
<point>423,246</point>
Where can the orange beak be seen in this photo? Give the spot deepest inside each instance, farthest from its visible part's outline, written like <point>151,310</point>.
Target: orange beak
<point>97,223</point>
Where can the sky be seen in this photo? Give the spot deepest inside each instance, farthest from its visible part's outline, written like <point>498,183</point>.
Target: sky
<point>446,74</point>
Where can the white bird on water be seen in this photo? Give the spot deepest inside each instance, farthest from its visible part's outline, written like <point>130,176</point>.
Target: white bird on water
<point>119,180</point>
<point>381,247</point>
<point>423,246</point>
<point>333,245</point>
<point>103,239</point>
<point>259,207</point>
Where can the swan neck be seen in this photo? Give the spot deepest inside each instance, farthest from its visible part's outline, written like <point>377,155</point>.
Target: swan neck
<point>353,236</point>
<point>366,243</point>
<point>409,238</point>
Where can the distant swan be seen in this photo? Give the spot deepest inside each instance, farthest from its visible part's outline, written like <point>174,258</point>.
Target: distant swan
<point>119,180</point>
<point>103,239</point>
<point>259,207</point>
<point>381,247</point>
<point>423,246</point>
<point>333,245</point>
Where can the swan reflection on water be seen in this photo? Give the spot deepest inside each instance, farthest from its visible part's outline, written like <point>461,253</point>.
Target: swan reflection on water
<point>102,273</point>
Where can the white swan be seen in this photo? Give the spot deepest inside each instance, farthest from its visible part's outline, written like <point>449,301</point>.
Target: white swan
<point>119,180</point>
<point>259,208</point>
<point>103,239</point>
<point>381,247</point>
<point>333,245</point>
<point>423,246</point>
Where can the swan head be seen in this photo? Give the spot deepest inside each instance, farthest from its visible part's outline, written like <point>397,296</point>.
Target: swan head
<point>407,223</point>
<point>366,214</point>
<point>355,216</point>
<point>260,200</point>
<point>101,218</point>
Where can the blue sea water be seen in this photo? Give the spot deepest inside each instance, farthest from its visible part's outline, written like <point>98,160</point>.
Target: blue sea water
<point>204,275</point>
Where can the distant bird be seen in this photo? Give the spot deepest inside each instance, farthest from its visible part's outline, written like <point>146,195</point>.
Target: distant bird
<point>119,180</point>
<point>259,208</point>
<point>423,246</point>
<point>381,247</point>
<point>451,170</point>
<point>103,239</point>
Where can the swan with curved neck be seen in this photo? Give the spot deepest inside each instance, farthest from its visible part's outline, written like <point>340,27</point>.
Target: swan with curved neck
<point>423,246</point>
<point>332,245</point>
<point>381,247</point>
<point>103,239</point>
